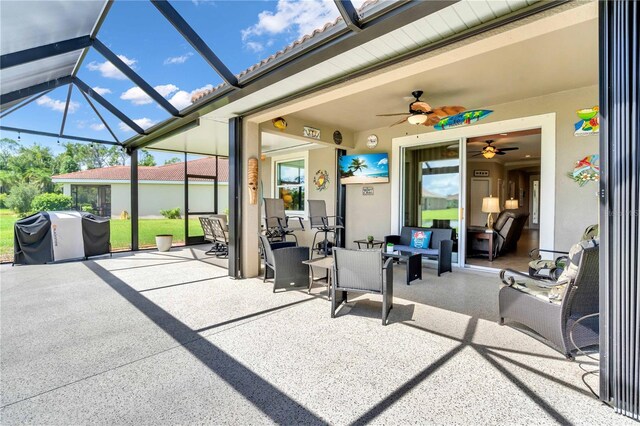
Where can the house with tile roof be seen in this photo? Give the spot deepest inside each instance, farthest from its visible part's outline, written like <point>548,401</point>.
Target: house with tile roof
<point>106,191</point>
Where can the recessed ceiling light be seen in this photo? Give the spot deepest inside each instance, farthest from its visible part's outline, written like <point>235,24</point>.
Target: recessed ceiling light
<point>527,156</point>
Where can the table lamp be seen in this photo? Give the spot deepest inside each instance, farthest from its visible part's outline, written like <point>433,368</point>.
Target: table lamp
<point>490,205</point>
<point>511,204</point>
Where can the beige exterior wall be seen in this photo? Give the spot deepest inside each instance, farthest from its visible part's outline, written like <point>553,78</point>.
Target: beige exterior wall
<point>576,207</point>
<point>154,197</point>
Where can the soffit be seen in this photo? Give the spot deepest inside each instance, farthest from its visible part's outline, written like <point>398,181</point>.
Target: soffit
<point>560,60</point>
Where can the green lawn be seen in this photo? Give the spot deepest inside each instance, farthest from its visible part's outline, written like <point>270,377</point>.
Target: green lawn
<point>120,232</point>
<point>451,214</point>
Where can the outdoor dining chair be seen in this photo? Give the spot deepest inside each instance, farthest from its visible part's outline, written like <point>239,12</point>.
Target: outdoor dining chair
<point>277,222</point>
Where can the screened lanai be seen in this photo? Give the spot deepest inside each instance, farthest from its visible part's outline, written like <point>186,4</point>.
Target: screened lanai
<point>59,59</point>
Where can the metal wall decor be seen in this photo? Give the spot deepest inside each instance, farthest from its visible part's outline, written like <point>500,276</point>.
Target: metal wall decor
<point>310,132</point>
<point>481,173</point>
<point>367,190</point>
<point>321,180</point>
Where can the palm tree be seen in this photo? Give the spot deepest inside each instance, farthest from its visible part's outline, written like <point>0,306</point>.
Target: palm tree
<point>357,164</point>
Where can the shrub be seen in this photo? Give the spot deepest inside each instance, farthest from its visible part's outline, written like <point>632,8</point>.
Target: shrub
<point>88,208</point>
<point>3,201</point>
<point>20,198</point>
<point>171,213</point>
<point>51,202</point>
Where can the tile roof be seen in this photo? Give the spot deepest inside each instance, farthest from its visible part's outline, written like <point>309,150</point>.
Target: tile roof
<point>168,172</point>
<point>301,42</point>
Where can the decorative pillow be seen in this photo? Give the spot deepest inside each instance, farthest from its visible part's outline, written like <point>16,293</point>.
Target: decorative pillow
<point>420,239</point>
<point>573,260</point>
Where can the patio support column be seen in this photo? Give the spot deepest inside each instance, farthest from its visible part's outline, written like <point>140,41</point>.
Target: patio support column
<point>134,199</point>
<point>620,205</point>
<point>235,197</point>
<point>250,212</point>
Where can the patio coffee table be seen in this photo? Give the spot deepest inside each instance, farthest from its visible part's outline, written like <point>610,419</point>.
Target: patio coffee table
<point>414,263</point>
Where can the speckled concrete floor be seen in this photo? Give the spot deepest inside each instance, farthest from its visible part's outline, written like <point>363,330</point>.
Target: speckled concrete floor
<point>166,338</point>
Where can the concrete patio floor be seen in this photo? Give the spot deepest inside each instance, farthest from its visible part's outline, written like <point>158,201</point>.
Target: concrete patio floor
<point>165,338</point>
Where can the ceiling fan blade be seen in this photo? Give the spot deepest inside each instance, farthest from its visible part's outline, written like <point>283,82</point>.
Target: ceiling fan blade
<point>432,120</point>
<point>475,155</point>
<point>391,115</point>
<point>500,153</point>
<point>399,121</point>
<point>508,149</point>
<point>420,106</point>
<point>447,110</point>
<point>473,152</point>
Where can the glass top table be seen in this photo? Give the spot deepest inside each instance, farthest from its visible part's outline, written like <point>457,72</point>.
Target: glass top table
<point>413,260</point>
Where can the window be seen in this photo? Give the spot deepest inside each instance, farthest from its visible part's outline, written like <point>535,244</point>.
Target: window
<point>290,183</point>
<point>94,199</point>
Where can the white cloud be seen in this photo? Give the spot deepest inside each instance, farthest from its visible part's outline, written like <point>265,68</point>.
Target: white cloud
<point>97,126</point>
<point>383,162</point>
<point>173,60</point>
<point>145,123</point>
<point>57,105</point>
<point>254,46</point>
<point>108,70</point>
<point>291,16</point>
<point>182,99</point>
<point>101,90</point>
<point>138,97</point>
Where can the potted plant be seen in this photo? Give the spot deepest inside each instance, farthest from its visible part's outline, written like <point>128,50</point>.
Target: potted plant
<point>163,242</point>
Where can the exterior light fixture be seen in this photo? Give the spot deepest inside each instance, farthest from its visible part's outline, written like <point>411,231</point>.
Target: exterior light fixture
<point>511,204</point>
<point>490,205</point>
<point>417,119</point>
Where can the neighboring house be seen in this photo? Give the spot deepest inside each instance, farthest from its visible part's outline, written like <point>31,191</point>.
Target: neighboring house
<point>107,191</point>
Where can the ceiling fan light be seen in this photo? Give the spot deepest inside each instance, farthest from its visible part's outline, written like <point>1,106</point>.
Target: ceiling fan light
<point>488,154</point>
<point>417,119</point>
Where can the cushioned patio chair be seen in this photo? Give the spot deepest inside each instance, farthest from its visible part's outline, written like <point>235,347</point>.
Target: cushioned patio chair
<point>362,271</point>
<point>277,222</point>
<point>283,263</point>
<point>322,223</point>
<point>552,309</point>
<point>552,268</point>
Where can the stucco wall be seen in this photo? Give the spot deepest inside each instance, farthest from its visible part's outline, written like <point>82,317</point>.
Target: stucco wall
<point>576,207</point>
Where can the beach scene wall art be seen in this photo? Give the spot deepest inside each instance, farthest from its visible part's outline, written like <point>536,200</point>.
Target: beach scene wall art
<point>364,168</point>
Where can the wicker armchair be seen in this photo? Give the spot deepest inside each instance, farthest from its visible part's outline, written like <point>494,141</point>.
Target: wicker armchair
<point>362,271</point>
<point>529,301</point>
<point>283,263</point>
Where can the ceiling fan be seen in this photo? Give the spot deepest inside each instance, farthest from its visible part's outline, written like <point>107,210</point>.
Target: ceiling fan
<point>421,112</point>
<point>490,151</point>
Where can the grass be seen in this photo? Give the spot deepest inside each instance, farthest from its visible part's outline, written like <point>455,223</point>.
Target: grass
<point>120,232</point>
<point>451,214</point>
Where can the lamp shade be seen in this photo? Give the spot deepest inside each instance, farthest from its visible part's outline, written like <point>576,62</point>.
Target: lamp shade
<point>511,204</point>
<point>491,205</point>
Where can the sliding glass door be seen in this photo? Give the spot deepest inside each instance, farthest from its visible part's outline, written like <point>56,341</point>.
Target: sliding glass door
<point>432,187</point>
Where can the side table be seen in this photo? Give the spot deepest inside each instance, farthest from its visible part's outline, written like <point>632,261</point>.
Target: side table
<point>369,244</point>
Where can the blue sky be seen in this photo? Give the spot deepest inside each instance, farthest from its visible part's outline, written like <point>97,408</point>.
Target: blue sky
<point>241,33</point>
<point>375,162</point>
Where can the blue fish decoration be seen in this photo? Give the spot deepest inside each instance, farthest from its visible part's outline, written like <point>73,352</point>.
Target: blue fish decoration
<point>462,119</point>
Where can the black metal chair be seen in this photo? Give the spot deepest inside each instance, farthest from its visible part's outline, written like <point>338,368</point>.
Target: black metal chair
<point>361,271</point>
<point>283,263</point>
<point>215,231</point>
<point>319,220</point>
<point>277,222</point>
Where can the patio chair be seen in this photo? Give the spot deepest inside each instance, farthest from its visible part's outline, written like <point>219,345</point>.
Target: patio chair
<point>362,271</point>
<point>283,263</point>
<point>552,268</point>
<point>215,231</point>
<point>320,221</point>
<point>277,222</point>
<point>556,309</point>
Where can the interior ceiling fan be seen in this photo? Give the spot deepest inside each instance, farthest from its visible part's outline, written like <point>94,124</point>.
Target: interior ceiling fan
<point>489,151</point>
<point>421,112</point>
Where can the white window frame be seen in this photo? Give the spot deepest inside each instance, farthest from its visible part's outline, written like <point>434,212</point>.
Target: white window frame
<point>274,173</point>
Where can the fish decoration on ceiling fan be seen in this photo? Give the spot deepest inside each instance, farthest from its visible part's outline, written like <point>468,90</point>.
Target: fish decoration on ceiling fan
<point>462,119</point>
